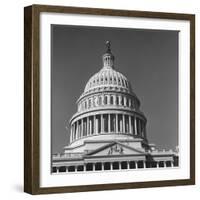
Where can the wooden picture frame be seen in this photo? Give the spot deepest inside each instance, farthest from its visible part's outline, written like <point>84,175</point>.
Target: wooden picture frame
<point>32,104</point>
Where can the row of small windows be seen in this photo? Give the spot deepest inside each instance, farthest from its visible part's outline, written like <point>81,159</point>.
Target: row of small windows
<point>116,165</point>
<point>106,100</point>
<point>111,79</point>
<point>93,89</point>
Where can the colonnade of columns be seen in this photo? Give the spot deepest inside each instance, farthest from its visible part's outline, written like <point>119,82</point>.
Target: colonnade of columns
<point>107,123</point>
<point>106,99</point>
<point>117,165</point>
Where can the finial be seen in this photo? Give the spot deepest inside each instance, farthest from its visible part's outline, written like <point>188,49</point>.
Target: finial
<point>108,58</point>
<point>108,47</point>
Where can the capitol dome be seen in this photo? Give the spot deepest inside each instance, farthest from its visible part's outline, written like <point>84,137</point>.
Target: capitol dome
<point>108,131</point>
<point>107,109</point>
<point>109,78</point>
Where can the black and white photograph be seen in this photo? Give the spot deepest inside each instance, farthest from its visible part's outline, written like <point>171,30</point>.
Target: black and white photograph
<point>109,99</point>
<point>114,99</point>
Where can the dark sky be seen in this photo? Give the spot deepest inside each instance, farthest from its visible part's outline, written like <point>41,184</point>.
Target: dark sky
<point>148,58</point>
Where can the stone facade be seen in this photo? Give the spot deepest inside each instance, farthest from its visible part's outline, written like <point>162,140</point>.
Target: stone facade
<point>108,132</point>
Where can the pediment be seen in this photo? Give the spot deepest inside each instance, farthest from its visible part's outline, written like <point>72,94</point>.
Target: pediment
<point>115,148</point>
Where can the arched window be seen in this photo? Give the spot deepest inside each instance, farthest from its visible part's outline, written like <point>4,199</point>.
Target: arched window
<point>122,100</point>
<point>117,100</point>
<point>111,100</point>
<point>94,101</point>
<point>126,124</point>
<point>112,122</point>
<point>105,100</point>
<point>89,103</point>
<point>100,101</point>
<point>119,81</point>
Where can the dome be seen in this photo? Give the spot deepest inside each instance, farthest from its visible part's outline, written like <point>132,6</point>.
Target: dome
<point>107,109</point>
<point>107,77</point>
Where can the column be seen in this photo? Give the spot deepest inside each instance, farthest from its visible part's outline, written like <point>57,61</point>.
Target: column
<point>111,166</point>
<point>102,166</point>
<point>120,100</point>
<point>144,164</point>
<point>82,127</point>
<point>76,129</point>
<point>141,127</point>
<point>102,99</point>
<point>57,169</point>
<point>164,163</point>
<point>97,125</point>
<point>108,123</point>
<point>108,98</point>
<point>114,99</point>
<point>125,103</point>
<point>128,164</point>
<point>135,122</point>
<point>123,123</point>
<point>157,164</point>
<point>136,164</point>
<point>66,169</point>
<point>120,166</point>
<point>130,129</point>
<point>172,164</point>
<point>72,127</point>
<point>71,134</point>
<point>101,123</point>
<point>84,167</point>
<point>116,123</point>
<point>88,126</point>
<point>94,120</point>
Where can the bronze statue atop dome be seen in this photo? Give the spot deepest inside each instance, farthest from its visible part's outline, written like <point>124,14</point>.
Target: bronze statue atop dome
<point>108,46</point>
